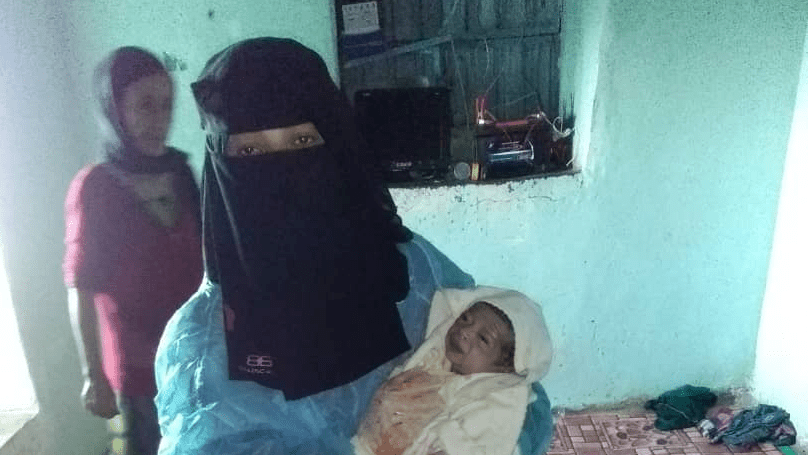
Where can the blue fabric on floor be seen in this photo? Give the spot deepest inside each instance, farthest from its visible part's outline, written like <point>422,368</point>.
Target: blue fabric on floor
<point>758,425</point>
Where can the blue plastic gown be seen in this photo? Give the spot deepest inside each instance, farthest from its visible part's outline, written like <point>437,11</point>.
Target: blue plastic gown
<point>202,412</point>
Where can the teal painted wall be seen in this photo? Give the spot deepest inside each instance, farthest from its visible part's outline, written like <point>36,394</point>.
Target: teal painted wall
<point>651,262</point>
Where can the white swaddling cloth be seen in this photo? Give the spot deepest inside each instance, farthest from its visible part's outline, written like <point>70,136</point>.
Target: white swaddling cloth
<point>425,408</point>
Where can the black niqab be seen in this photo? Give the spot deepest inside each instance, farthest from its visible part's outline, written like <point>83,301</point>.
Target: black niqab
<point>303,242</point>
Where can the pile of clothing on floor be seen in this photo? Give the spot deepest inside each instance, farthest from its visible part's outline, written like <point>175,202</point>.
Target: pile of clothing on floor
<point>690,406</point>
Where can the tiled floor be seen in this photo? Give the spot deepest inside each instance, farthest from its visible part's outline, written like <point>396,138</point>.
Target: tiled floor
<point>632,432</point>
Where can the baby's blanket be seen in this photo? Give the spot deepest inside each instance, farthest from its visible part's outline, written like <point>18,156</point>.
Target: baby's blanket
<point>473,414</point>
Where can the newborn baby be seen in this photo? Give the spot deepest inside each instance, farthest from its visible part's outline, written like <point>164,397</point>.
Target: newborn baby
<point>465,390</point>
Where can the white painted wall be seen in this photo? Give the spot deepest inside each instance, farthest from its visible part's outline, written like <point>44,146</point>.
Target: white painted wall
<point>40,149</point>
<point>781,374</point>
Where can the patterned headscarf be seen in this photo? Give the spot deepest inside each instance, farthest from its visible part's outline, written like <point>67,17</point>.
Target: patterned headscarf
<point>123,67</point>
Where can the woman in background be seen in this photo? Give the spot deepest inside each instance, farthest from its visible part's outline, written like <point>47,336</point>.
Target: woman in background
<point>133,245</point>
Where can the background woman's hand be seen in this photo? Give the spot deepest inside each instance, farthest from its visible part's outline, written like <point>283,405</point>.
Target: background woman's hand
<point>98,398</point>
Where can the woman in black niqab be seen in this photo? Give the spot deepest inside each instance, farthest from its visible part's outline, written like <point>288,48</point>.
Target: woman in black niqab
<point>306,262</point>
<point>303,241</point>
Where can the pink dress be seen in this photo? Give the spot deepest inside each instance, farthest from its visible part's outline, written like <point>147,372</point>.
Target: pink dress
<point>140,270</point>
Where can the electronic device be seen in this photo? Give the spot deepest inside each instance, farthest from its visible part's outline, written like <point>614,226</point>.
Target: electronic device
<point>409,130</point>
<point>507,150</point>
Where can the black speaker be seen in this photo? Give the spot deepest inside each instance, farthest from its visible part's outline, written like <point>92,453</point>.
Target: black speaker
<point>409,130</point>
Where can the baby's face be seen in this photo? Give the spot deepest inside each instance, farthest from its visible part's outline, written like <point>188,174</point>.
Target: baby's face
<point>474,343</point>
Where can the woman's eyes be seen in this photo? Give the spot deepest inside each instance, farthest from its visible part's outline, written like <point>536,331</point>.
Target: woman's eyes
<point>299,142</point>
<point>305,140</point>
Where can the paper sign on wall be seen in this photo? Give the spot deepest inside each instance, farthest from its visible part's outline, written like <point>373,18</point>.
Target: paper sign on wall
<point>360,18</point>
